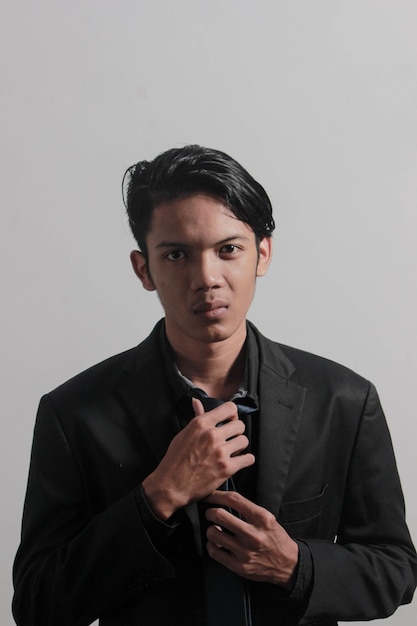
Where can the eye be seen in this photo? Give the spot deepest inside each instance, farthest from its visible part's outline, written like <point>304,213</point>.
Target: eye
<point>175,255</point>
<point>229,248</point>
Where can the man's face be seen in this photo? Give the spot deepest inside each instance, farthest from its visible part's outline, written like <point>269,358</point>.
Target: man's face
<point>203,263</point>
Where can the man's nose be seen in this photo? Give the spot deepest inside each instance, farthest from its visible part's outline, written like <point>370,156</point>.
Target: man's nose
<point>206,273</point>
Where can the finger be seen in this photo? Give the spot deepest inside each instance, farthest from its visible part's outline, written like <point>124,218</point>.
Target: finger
<point>197,406</point>
<point>223,413</point>
<point>234,500</point>
<point>223,540</point>
<point>235,445</point>
<point>231,429</point>
<point>227,559</point>
<point>239,462</point>
<point>223,519</point>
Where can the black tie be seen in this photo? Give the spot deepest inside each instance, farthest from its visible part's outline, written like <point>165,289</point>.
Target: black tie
<point>227,596</point>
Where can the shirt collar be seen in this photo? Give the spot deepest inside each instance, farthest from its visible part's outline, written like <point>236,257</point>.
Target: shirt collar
<point>180,384</point>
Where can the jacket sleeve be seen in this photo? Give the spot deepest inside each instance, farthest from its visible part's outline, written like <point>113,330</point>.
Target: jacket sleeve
<point>371,568</point>
<point>74,564</point>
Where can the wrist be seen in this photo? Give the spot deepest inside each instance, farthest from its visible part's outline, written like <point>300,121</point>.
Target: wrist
<point>292,566</point>
<point>159,498</point>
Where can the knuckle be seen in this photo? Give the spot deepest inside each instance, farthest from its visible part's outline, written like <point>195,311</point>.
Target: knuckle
<point>241,443</point>
<point>197,423</point>
<point>220,516</point>
<point>269,520</point>
<point>211,436</point>
<point>232,408</point>
<point>221,459</point>
<point>234,497</point>
<point>210,532</point>
<point>244,440</point>
<point>223,465</point>
<point>256,543</point>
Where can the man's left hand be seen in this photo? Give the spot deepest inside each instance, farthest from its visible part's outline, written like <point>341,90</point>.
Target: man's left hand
<point>256,546</point>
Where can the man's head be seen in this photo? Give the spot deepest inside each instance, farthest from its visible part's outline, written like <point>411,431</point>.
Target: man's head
<point>182,172</point>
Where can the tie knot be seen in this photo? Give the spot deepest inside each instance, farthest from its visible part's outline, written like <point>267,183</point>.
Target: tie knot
<point>207,402</point>
<point>245,404</point>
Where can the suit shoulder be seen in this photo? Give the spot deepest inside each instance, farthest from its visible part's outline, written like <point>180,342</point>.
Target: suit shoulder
<point>101,381</point>
<point>103,375</point>
<point>311,370</point>
<point>302,358</point>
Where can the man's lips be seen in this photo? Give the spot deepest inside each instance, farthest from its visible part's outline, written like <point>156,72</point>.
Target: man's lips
<point>210,310</point>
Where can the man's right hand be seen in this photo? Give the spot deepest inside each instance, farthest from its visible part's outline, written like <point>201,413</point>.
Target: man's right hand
<point>199,459</point>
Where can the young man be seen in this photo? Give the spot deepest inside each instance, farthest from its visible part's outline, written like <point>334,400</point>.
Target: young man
<point>210,475</point>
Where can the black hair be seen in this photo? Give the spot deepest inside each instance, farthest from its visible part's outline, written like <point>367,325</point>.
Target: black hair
<point>180,172</point>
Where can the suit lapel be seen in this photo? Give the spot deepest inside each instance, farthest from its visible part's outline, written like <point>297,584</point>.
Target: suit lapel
<point>152,410</point>
<point>281,405</point>
<point>148,396</point>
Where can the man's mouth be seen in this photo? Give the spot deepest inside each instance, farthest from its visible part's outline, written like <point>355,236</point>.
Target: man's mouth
<point>210,310</point>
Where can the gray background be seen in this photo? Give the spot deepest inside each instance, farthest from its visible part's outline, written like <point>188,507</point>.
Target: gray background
<point>317,99</point>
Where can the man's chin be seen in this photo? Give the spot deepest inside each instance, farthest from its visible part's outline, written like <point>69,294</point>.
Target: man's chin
<point>215,332</point>
<point>204,331</point>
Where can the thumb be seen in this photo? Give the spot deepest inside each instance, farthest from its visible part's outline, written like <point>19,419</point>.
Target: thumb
<point>197,406</point>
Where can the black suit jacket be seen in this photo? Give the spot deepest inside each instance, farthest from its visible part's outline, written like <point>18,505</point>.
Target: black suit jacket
<point>325,468</point>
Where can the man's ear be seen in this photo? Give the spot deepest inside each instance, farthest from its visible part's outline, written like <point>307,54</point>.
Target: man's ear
<point>264,256</point>
<point>140,267</point>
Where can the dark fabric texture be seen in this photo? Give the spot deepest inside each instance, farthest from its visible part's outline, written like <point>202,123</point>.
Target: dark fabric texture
<point>227,594</point>
<point>324,467</point>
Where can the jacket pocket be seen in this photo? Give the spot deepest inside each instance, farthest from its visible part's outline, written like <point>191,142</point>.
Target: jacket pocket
<point>301,517</point>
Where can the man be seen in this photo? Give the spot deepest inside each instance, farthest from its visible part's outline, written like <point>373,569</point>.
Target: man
<point>210,475</point>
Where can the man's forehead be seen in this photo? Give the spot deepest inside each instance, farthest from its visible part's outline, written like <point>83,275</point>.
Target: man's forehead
<point>196,211</point>
<point>194,200</point>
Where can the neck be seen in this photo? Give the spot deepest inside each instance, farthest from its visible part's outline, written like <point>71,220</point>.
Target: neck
<point>216,367</point>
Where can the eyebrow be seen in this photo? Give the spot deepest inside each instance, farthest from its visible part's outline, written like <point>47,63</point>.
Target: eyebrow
<point>180,244</point>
